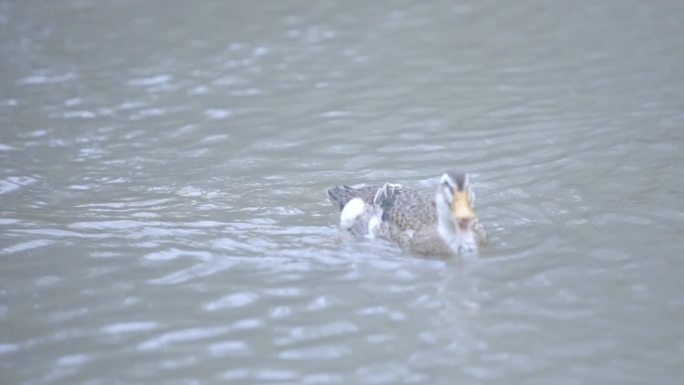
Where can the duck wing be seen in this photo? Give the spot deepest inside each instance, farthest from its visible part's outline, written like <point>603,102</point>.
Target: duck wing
<point>404,208</point>
<point>391,211</point>
<point>340,195</point>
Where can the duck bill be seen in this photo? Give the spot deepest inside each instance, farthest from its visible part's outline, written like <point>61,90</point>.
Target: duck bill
<point>461,208</point>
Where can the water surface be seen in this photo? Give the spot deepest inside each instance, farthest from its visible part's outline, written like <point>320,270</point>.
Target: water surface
<point>163,166</point>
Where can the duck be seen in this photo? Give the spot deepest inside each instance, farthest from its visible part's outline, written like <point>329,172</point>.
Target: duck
<point>439,224</point>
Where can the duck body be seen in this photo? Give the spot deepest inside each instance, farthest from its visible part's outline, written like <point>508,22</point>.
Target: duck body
<point>443,223</point>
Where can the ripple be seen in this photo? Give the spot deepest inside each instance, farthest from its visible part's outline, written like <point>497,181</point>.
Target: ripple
<point>320,303</point>
<point>150,81</point>
<point>218,114</point>
<point>122,224</point>
<point>224,348</point>
<point>126,205</point>
<point>59,233</point>
<point>379,338</point>
<point>247,92</point>
<point>232,301</point>
<point>80,187</point>
<point>194,191</point>
<point>234,374</point>
<point>287,292</point>
<point>185,335</point>
<point>201,270</point>
<point>325,352</point>
<point>372,310</point>
<point>171,254</point>
<point>68,315</point>
<point>73,359</point>
<point>130,327</point>
<point>385,373</point>
<point>323,378</point>
<point>235,245</point>
<point>47,281</point>
<point>335,114</point>
<point>14,183</point>
<point>275,375</point>
<point>44,78</point>
<point>148,113</point>
<point>178,363</point>
<point>306,333</point>
<point>82,114</point>
<point>8,348</point>
<point>280,312</point>
<point>248,324</point>
<point>215,138</point>
<point>426,301</point>
<point>28,245</point>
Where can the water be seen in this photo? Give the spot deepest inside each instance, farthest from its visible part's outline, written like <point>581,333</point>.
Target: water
<point>163,166</point>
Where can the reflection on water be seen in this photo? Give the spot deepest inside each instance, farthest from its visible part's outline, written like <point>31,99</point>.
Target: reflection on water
<point>162,178</point>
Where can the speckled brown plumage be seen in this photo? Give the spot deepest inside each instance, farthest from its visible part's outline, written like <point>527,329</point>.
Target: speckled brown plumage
<point>409,217</point>
<point>402,215</point>
<point>403,206</point>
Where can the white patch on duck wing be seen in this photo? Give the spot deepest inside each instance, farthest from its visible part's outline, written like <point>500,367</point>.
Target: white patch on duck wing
<point>373,224</point>
<point>351,211</point>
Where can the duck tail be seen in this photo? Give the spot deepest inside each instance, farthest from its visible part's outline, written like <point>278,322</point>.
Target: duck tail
<point>340,195</point>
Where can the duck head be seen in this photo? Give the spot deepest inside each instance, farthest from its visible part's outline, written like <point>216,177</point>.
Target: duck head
<point>456,216</point>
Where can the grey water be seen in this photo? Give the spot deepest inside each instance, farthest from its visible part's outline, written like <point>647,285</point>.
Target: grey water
<point>162,207</point>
